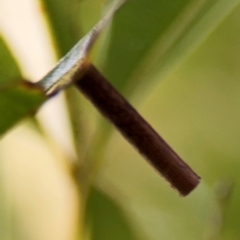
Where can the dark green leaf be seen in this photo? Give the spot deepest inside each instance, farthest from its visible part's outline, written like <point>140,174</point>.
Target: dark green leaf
<point>64,22</point>
<point>9,71</point>
<point>18,99</point>
<point>106,218</point>
<point>154,37</point>
<point>18,102</point>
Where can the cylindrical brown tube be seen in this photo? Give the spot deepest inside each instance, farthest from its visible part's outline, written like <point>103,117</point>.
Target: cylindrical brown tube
<point>137,131</point>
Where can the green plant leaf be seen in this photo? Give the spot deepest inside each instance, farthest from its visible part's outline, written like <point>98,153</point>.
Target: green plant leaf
<point>65,27</point>
<point>18,98</point>
<point>106,218</point>
<point>18,102</point>
<point>148,40</point>
<point>70,20</point>
<point>9,71</point>
<point>76,60</point>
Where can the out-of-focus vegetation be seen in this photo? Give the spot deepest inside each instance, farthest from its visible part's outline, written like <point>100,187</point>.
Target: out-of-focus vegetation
<point>187,88</point>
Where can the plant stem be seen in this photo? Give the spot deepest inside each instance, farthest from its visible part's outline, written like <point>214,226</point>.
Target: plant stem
<point>136,130</point>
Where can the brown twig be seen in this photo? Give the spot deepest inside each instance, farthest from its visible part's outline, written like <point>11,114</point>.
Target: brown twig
<point>137,131</point>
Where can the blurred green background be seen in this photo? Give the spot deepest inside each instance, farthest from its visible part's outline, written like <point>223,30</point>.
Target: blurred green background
<point>182,79</point>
